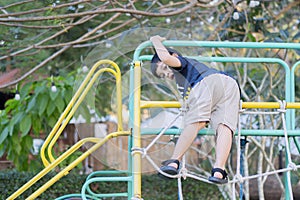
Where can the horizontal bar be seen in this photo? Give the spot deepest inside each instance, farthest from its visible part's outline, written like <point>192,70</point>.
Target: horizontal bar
<point>295,105</point>
<point>106,172</point>
<point>224,59</point>
<point>163,104</point>
<point>72,196</point>
<point>218,44</point>
<point>262,105</point>
<point>226,44</point>
<point>270,132</point>
<point>110,179</point>
<point>123,194</point>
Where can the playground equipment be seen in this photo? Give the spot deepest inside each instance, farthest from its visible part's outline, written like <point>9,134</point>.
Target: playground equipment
<point>133,175</point>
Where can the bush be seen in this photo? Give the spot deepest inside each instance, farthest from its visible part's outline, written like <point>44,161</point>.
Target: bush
<point>152,187</point>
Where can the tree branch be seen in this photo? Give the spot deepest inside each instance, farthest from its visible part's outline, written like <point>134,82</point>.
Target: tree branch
<point>100,11</point>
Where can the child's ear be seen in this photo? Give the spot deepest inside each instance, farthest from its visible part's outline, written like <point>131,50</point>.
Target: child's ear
<point>175,54</point>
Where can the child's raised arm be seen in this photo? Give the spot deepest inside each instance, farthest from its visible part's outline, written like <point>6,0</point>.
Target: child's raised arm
<point>162,52</point>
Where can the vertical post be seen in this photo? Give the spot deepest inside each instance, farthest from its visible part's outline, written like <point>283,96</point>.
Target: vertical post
<point>130,126</point>
<point>289,126</point>
<point>287,180</point>
<point>136,157</point>
<point>242,172</point>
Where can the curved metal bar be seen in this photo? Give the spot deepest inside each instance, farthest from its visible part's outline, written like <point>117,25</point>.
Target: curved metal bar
<point>61,123</point>
<point>74,108</point>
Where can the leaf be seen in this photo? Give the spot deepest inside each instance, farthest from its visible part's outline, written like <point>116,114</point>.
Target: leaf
<point>31,104</point>
<point>284,34</point>
<point>2,150</point>
<point>50,108</point>
<point>43,102</point>
<point>27,142</point>
<point>297,35</point>
<point>40,89</point>
<point>251,37</point>
<point>4,121</point>
<point>53,95</point>
<point>3,135</point>
<point>11,129</point>
<point>297,51</point>
<point>36,125</point>
<point>51,121</point>
<point>278,39</point>
<point>16,118</point>
<point>60,104</point>
<point>24,90</point>
<point>25,125</point>
<point>11,104</point>
<point>67,94</point>
<point>16,143</point>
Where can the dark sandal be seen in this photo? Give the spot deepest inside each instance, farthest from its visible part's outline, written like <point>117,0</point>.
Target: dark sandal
<point>169,169</point>
<point>218,180</point>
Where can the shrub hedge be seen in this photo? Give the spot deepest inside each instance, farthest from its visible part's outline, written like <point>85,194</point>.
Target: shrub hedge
<point>153,188</point>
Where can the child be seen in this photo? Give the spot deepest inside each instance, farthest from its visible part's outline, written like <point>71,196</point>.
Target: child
<point>211,96</point>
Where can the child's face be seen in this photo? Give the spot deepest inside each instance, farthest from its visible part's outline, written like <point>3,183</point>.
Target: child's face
<point>164,71</point>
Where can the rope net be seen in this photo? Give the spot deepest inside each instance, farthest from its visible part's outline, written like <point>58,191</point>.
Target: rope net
<point>238,178</point>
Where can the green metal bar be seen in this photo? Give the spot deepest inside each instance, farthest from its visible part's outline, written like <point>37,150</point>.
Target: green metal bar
<point>121,194</point>
<point>244,132</point>
<point>130,126</point>
<point>105,172</point>
<point>109,179</point>
<point>293,70</point>
<point>215,44</point>
<point>71,196</point>
<point>293,116</point>
<point>297,144</point>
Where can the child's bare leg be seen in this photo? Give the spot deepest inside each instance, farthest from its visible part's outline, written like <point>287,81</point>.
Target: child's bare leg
<point>185,140</point>
<point>223,147</point>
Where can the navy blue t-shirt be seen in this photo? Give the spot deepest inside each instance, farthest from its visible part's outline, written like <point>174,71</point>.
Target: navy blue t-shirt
<point>190,73</point>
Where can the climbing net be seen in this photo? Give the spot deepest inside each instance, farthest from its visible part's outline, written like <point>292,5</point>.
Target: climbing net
<point>238,178</point>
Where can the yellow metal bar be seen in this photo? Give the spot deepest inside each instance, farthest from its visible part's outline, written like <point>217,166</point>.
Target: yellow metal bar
<point>136,157</point>
<point>73,100</point>
<point>61,118</point>
<point>99,142</point>
<point>293,105</point>
<point>262,105</point>
<point>270,105</point>
<point>119,99</point>
<point>66,170</point>
<point>74,108</point>
<point>164,104</point>
<point>52,165</point>
<point>266,105</point>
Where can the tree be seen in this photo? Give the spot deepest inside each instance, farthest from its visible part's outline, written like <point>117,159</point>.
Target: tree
<point>51,35</point>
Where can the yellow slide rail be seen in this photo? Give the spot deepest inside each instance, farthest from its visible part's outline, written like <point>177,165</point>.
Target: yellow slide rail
<point>76,101</point>
<point>98,143</point>
<point>64,120</point>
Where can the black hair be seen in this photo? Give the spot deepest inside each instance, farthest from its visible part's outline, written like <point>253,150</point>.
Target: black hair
<point>155,59</point>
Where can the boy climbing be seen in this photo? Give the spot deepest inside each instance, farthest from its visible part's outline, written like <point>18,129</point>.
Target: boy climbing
<point>211,97</point>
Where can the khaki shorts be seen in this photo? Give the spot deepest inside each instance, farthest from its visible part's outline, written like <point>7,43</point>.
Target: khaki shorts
<point>215,99</point>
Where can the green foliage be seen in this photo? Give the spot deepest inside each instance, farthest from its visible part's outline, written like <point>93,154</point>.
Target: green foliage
<point>152,187</point>
<point>71,159</point>
<point>13,180</point>
<point>35,113</point>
